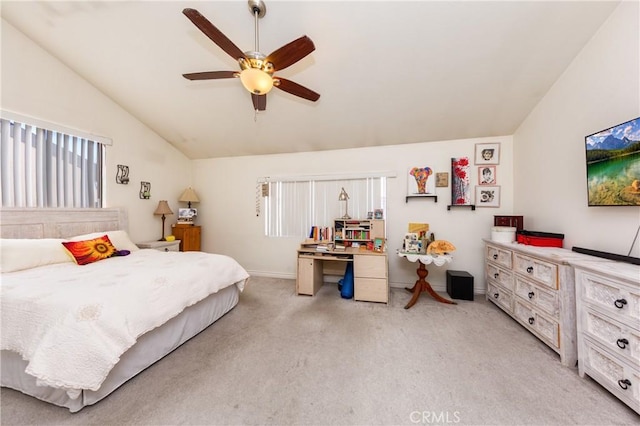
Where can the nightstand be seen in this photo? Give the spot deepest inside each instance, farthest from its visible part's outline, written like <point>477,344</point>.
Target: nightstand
<point>161,245</point>
<point>189,235</point>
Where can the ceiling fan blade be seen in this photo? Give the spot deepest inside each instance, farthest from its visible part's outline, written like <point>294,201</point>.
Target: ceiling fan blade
<point>213,33</point>
<point>296,89</point>
<point>209,75</point>
<point>259,102</point>
<point>291,53</point>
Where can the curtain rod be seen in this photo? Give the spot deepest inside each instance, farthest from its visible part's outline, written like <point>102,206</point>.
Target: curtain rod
<point>336,176</point>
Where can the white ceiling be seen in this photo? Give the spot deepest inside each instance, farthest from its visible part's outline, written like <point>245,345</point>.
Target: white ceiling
<point>388,72</point>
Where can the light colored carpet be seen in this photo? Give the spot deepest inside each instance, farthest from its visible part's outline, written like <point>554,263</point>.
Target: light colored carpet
<point>278,358</point>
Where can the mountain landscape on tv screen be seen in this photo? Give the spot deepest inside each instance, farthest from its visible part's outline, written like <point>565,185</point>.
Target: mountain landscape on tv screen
<point>613,165</point>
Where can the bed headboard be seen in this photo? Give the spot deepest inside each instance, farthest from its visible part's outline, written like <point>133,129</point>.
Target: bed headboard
<point>59,223</point>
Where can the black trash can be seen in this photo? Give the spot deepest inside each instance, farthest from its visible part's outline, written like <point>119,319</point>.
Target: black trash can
<point>460,285</point>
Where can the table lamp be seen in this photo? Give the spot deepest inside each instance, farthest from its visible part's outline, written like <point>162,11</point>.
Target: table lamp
<point>344,197</point>
<point>163,209</point>
<point>189,196</point>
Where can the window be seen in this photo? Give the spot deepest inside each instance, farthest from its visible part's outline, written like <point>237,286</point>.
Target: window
<point>293,205</point>
<point>42,167</point>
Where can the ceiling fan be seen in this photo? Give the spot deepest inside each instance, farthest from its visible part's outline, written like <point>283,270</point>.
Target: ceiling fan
<point>257,70</point>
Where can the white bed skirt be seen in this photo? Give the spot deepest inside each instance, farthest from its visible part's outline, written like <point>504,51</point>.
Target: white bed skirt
<point>149,348</point>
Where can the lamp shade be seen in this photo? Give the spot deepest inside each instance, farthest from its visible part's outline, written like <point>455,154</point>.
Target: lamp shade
<point>343,195</point>
<point>163,208</point>
<point>189,196</point>
<point>256,81</point>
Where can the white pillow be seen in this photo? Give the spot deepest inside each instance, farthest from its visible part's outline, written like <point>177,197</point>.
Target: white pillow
<point>120,239</point>
<point>19,254</point>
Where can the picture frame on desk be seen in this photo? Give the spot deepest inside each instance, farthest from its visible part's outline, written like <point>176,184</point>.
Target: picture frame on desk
<point>187,215</point>
<point>378,245</point>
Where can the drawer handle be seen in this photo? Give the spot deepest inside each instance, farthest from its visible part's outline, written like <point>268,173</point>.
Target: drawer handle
<point>166,249</point>
<point>622,343</point>
<point>624,384</point>
<point>531,294</point>
<point>496,295</point>
<point>495,256</point>
<point>531,320</point>
<point>496,275</point>
<point>620,303</point>
<point>530,269</point>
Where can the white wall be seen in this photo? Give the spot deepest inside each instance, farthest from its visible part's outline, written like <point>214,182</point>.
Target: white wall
<point>600,88</point>
<point>227,188</point>
<point>36,84</point>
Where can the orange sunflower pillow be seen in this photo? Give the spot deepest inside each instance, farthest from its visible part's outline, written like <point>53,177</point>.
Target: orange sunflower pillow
<point>89,251</point>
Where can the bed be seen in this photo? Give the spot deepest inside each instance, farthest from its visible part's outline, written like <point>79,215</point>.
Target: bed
<point>89,338</point>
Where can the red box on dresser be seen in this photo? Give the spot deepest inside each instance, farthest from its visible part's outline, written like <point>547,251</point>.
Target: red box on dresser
<point>539,239</point>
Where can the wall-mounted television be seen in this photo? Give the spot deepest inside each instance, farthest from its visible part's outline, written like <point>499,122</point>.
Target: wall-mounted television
<point>613,165</point>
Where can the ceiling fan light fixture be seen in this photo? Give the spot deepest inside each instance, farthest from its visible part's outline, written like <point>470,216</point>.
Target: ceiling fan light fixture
<point>256,81</point>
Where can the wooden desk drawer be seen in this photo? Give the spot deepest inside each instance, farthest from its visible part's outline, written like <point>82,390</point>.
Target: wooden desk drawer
<point>371,290</point>
<point>369,266</point>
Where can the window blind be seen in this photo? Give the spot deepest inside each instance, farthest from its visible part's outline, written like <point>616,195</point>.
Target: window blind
<point>40,167</point>
<point>294,206</point>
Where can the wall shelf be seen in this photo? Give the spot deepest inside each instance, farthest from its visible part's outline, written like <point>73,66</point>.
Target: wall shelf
<point>435,197</point>
<point>473,206</point>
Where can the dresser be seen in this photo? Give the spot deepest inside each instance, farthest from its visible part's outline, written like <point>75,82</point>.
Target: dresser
<point>608,326</point>
<point>189,236</point>
<point>535,286</point>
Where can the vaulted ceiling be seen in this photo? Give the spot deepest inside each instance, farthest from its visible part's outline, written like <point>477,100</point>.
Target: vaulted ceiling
<point>388,72</point>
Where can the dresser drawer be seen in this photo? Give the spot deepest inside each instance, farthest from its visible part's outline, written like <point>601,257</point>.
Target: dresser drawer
<point>500,275</point>
<point>548,329</point>
<point>615,336</point>
<point>500,256</point>
<point>544,272</point>
<point>500,297</point>
<point>544,299</point>
<point>371,266</point>
<point>618,377</point>
<point>371,290</point>
<point>620,302</point>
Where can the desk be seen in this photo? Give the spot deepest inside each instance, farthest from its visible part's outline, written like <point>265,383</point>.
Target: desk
<point>369,271</point>
<point>422,284</point>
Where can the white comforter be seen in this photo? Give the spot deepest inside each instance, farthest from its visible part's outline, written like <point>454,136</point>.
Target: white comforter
<point>72,323</point>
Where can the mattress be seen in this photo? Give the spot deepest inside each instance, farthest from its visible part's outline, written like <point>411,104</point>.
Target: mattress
<point>150,347</point>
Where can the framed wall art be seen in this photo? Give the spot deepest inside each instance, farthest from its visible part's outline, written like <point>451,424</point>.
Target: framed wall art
<point>460,186</point>
<point>420,181</point>
<point>487,175</point>
<point>487,153</point>
<point>488,196</point>
<point>442,179</point>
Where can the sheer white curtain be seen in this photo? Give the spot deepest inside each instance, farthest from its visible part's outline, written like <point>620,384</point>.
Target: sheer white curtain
<point>48,168</point>
<point>293,206</point>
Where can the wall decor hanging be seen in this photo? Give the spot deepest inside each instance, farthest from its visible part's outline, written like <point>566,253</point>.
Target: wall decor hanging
<point>487,153</point>
<point>145,190</point>
<point>442,179</point>
<point>487,175</point>
<point>420,182</point>
<point>122,175</point>
<point>488,196</point>
<point>460,188</point>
